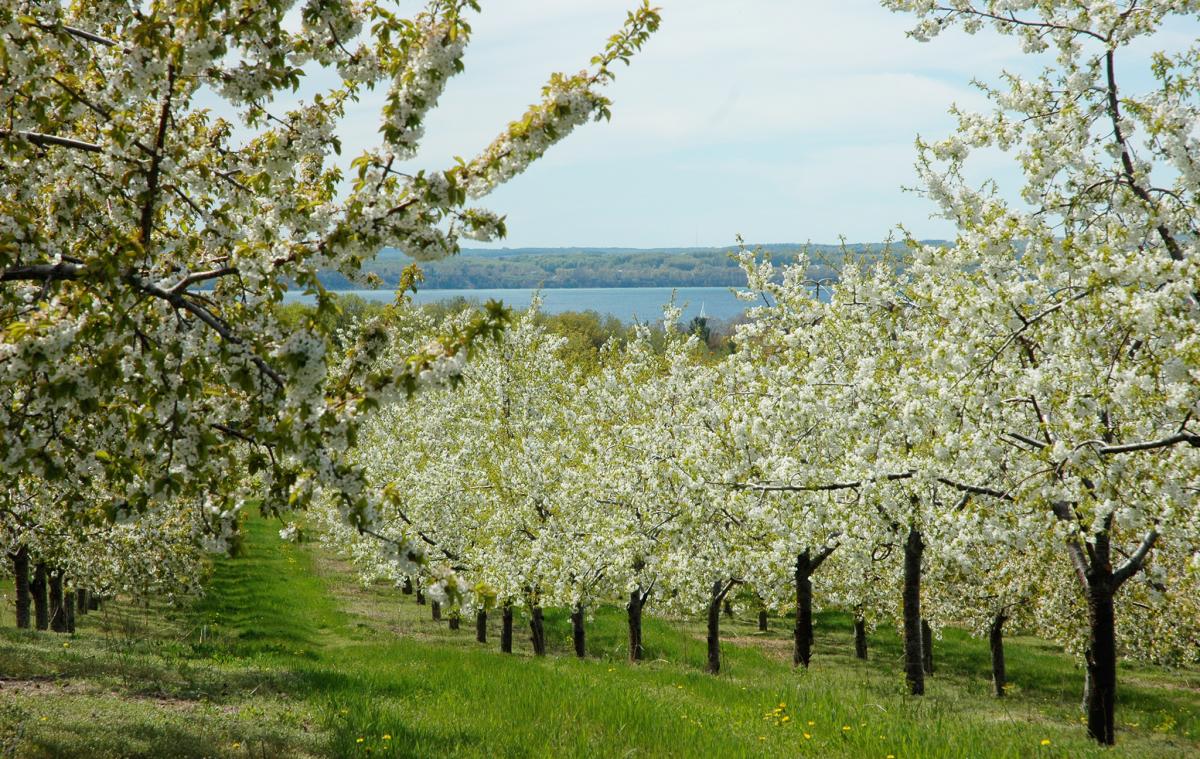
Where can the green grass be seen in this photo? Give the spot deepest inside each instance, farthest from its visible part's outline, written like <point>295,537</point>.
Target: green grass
<point>288,656</point>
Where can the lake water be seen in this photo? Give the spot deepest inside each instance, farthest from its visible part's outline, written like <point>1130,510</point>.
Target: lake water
<point>626,303</point>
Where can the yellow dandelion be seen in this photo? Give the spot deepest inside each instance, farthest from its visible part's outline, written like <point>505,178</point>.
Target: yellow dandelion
<point>785,718</point>
<point>762,737</point>
<point>66,645</point>
<point>360,740</point>
<point>891,756</point>
<point>235,744</point>
<point>845,728</point>
<point>782,705</point>
<point>811,723</point>
<point>1045,741</point>
<point>807,736</point>
<point>387,737</point>
<point>612,669</point>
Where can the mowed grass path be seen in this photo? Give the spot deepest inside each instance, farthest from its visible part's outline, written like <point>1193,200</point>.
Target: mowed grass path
<point>288,656</point>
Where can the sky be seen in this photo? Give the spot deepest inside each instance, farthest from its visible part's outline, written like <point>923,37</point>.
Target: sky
<point>776,120</point>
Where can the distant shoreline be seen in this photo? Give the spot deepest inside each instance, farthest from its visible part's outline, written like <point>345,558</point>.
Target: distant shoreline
<point>582,268</point>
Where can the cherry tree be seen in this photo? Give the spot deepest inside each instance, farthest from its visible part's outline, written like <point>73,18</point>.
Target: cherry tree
<point>148,234</point>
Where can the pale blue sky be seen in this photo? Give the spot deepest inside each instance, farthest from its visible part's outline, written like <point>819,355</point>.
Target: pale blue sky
<point>780,120</point>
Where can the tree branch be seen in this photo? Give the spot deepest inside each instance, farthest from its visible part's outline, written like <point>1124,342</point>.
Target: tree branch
<point>1135,562</point>
<point>963,487</point>
<point>49,140</point>
<point>42,272</point>
<point>1190,438</point>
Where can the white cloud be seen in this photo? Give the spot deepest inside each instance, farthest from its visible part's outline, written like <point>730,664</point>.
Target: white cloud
<point>779,119</point>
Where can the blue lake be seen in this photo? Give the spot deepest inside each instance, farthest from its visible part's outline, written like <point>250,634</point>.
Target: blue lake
<point>626,303</point>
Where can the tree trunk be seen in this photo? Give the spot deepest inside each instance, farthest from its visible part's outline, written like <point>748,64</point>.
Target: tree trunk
<point>481,626</point>
<point>537,629</point>
<point>58,613</point>
<point>577,632</point>
<point>435,610</point>
<point>420,597</point>
<point>636,601</point>
<point>927,647</point>
<point>762,620</point>
<point>41,604</point>
<point>996,642</point>
<point>506,629</point>
<point>69,608</point>
<point>728,608</point>
<point>860,638</point>
<point>1101,658</point>
<point>407,587</point>
<point>914,670</point>
<point>81,601</point>
<point>803,634</point>
<point>93,601</point>
<point>714,629</point>
<point>454,620</point>
<point>20,562</point>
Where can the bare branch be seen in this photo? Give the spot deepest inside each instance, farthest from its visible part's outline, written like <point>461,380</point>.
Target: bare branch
<point>49,140</point>
<point>963,487</point>
<point>42,272</point>
<point>1190,438</point>
<point>1135,562</point>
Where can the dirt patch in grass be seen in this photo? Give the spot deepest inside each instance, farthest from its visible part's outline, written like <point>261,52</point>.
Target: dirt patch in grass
<point>776,648</point>
<point>49,688</point>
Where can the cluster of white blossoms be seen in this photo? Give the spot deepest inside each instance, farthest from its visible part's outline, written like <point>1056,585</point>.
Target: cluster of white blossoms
<point>148,237</point>
<point>432,60</point>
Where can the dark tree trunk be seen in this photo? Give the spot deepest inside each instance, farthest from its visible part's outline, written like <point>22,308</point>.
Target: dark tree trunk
<point>1101,657</point>
<point>93,601</point>
<point>762,620</point>
<point>506,629</point>
<point>537,630</point>
<point>69,609</point>
<point>637,600</point>
<point>41,604</point>
<point>58,613</point>
<point>577,632</point>
<point>481,626</point>
<point>803,634</point>
<point>806,566</point>
<point>420,597</point>
<point>20,562</point>
<point>435,611</point>
<point>914,670</point>
<point>728,608</point>
<point>996,642</point>
<point>714,628</point>
<point>81,601</point>
<point>927,647</point>
<point>407,587</point>
<point>860,638</point>
<point>454,618</point>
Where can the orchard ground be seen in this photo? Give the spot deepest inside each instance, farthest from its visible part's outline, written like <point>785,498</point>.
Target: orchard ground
<point>287,655</point>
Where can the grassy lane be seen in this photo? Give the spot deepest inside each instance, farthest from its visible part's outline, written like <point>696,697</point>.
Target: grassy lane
<point>288,656</point>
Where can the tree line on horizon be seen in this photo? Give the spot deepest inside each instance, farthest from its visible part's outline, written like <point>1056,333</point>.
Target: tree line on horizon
<point>595,267</point>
